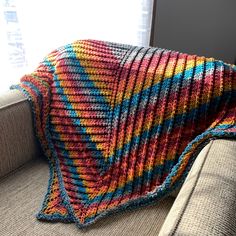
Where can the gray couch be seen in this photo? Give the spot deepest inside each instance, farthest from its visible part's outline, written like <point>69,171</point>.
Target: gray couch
<point>205,205</point>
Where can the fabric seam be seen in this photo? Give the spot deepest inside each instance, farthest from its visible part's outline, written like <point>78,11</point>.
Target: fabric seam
<point>13,104</point>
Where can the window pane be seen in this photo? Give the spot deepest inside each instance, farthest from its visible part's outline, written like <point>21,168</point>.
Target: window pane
<point>31,29</point>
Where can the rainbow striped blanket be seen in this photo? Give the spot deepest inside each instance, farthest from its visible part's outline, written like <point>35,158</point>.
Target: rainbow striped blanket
<point>121,125</point>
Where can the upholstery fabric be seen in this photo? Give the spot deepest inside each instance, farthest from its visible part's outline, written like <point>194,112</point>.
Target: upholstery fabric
<point>22,190</point>
<point>206,204</point>
<point>10,98</point>
<point>121,125</point>
<point>17,139</point>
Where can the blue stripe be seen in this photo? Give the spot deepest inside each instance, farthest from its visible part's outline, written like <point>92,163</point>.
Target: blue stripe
<point>166,123</point>
<point>187,75</point>
<point>133,184</point>
<point>86,76</point>
<point>79,126</point>
<point>77,121</point>
<point>78,182</point>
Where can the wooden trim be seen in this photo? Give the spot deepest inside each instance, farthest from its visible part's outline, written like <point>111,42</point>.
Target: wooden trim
<point>154,16</point>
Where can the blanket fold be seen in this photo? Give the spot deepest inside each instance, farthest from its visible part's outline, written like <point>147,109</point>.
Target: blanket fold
<point>121,125</point>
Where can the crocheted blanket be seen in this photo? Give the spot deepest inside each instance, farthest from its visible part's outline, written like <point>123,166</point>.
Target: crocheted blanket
<point>121,125</point>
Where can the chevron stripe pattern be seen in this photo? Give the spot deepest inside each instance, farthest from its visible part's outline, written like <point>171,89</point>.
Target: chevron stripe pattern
<point>121,125</point>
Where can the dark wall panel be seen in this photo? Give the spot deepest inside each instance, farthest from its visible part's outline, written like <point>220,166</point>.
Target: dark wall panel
<point>202,27</point>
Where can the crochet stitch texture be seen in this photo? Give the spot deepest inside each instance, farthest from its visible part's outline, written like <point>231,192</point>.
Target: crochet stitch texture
<point>121,125</point>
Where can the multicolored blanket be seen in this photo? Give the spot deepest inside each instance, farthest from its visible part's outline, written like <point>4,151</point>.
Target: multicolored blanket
<point>121,125</point>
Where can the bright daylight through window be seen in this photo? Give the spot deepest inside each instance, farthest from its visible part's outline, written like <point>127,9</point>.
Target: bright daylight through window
<point>29,30</point>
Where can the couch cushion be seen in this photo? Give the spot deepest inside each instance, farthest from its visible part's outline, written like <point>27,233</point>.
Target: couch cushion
<point>17,141</point>
<point>23,191</point>
<point>206,204</point>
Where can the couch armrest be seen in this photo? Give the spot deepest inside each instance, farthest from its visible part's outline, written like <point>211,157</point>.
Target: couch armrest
<point>206,204</point>
<point>17,141</point>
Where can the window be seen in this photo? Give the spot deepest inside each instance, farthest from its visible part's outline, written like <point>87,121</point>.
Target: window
<point>31,29</point>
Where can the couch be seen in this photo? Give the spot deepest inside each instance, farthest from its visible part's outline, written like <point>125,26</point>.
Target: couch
<point>205,205</point>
